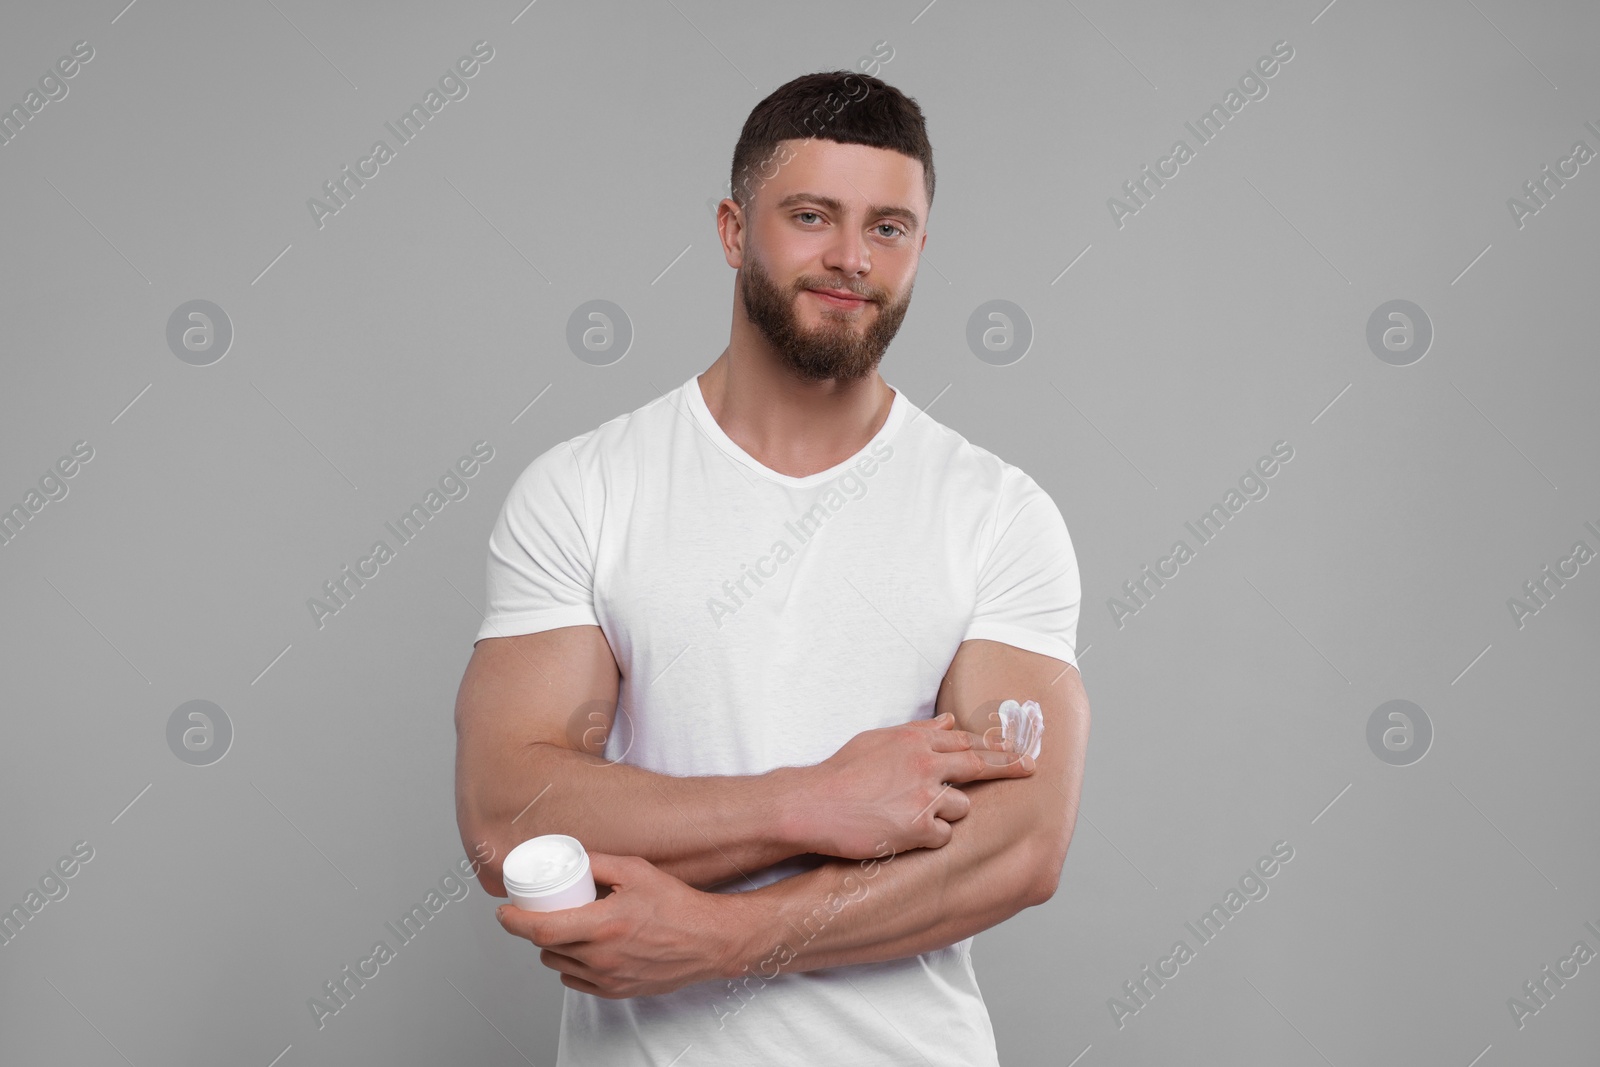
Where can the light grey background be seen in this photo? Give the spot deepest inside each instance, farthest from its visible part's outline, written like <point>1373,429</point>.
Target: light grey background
<point>1228,314</point>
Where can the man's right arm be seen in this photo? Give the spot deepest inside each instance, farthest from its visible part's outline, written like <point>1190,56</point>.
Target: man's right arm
<point>529,761</point>
<point>531,716</point>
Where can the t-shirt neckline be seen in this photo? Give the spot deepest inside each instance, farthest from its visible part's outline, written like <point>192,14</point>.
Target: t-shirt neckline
<point>702,414</point>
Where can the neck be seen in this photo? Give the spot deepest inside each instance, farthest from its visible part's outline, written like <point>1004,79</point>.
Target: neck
<point>790,425</point>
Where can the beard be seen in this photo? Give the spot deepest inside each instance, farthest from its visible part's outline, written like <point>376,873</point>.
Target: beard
<point>838,348</point>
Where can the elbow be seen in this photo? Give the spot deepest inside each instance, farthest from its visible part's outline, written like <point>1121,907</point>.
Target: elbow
<point>485,852</point>
<point>488,829</point>
<point>1047,858</point>
<point>489,877</point>
<point>486,846</point>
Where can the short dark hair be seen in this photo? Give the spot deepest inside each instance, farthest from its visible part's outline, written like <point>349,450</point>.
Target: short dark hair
<point>844,106</point>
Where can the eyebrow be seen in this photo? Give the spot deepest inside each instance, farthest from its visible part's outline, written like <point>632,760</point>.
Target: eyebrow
<point>837,207</point>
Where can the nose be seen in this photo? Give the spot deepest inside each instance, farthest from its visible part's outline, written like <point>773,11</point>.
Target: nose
<point>848,253</point>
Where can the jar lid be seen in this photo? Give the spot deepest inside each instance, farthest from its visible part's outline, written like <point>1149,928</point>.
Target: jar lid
<point>545,863</point>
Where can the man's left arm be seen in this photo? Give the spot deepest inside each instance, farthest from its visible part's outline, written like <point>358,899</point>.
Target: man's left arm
<point>1005,855</point>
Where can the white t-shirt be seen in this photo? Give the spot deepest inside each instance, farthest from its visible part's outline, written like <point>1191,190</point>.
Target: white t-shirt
<point>762,620</point>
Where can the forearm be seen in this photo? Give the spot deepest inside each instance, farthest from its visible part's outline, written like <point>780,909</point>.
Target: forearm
<point>702,830</point>
<point>848,912</point>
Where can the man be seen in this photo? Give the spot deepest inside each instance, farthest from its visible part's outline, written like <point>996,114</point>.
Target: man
<point>718,631</point>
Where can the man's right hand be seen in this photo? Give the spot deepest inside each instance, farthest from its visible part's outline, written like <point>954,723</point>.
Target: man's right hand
<point>889,785</point>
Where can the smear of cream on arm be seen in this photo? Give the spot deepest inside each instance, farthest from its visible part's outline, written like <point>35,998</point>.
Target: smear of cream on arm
<point>1023,724</point>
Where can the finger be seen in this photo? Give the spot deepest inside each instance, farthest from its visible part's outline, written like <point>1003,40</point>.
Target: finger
<point>611,870</point>
<point>938,722</point>
<point>514,920</point>
<point>952,805</point>
<point>980,764</point>
<point>941,833</point>
<point>1009,757</point>
<point>1009,764</point>
<point>585,987</point>
<point>543,928</point>
<point>560,961</point>
<point>959,741</point>
<point>1012,764</point>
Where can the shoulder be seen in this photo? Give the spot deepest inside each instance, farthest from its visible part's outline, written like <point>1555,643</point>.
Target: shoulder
<point>586,457</point>
<point>970,472</point>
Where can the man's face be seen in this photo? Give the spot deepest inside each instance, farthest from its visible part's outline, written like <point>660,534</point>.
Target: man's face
<point>833,217</point>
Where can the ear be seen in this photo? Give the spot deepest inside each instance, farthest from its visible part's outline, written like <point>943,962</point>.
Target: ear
<point>731,231</point>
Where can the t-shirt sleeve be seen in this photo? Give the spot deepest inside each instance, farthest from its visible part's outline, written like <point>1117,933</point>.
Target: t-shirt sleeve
<point>540,570</point>
<point>1028,587</point>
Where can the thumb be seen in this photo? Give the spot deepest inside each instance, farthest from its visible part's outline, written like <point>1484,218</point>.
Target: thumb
<point>611,870</point>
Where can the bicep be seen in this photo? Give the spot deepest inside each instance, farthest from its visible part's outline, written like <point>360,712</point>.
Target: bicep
<point>539,688</point>
<point>517,694</point>
<point>985,673</point>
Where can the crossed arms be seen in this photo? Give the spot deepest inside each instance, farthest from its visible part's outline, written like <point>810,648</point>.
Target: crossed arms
<point>921,864</point>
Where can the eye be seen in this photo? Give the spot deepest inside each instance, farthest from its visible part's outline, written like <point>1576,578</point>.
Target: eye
<point>897,230</point>
<point>798,214</point>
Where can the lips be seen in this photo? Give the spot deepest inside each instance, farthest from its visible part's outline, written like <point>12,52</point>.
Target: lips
<point>842,297</point>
